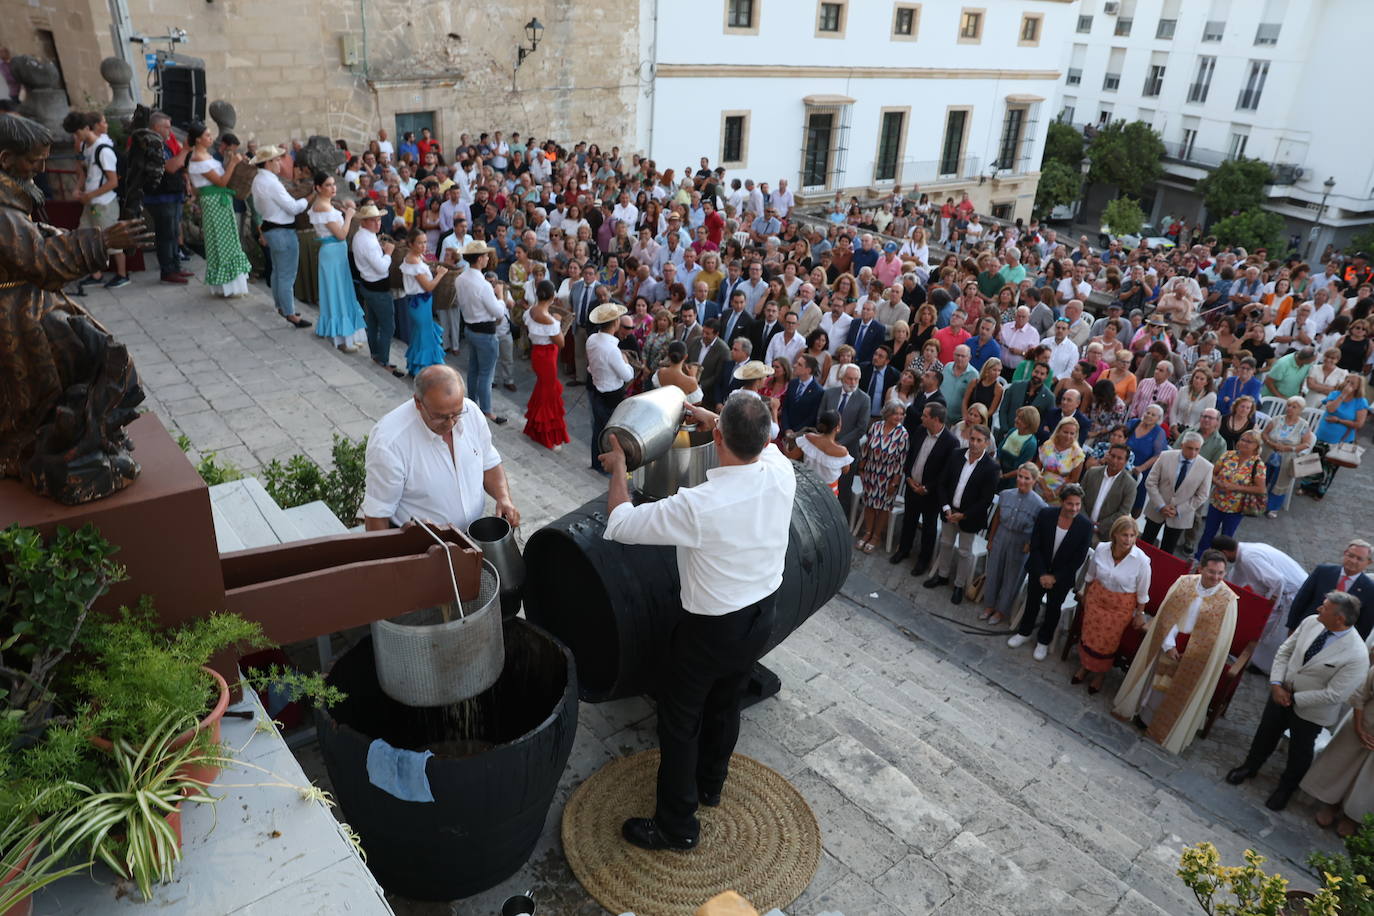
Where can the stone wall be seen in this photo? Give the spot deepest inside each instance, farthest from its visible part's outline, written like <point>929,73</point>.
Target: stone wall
<point>281,62</point>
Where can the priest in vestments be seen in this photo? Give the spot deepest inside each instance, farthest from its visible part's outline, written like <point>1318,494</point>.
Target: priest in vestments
<point>1181,657</point>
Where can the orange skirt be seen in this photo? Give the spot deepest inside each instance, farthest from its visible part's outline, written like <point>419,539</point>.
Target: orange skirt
<point>1106,615</point>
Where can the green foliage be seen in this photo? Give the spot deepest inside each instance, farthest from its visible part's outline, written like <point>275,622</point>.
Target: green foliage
<point>140,673</point>
<point>35,770</point>
<point>302,481</point>
<point>1251,892</point>
<point>1252,229</point>
<point>1354,870</point>
<point>209,468</point>
<point>1235,185</point>
<point>1123,216</point>
<point>46,592</point>
<point>38,850</point>
<point>1361,241</point>
<point>1129,156</point>
<point>1059,184</point>
<point>1064,144</point>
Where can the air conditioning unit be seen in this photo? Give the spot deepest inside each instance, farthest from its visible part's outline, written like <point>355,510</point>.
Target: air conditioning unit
<point>1110,7</point>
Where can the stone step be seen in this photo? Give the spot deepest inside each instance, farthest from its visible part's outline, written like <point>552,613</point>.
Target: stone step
<point>254,517</point>
<point>314,520</point>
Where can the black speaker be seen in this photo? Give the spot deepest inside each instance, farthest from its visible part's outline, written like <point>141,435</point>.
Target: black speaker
<point>181,88</point>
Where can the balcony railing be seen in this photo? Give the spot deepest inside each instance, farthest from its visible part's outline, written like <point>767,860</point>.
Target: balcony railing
<point>1197,92</point>
<point>1074,77</point>
<point>929,171</point>
<point>1111,81</point>
<point>1248,100</point>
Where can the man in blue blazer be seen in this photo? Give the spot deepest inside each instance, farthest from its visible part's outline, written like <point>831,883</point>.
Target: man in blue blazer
<point>802,402</point>
<point>1051,567</point>
<point>866,333</point>
<point>1346,576</point>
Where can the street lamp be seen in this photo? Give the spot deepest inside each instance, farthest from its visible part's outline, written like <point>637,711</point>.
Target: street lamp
<point>1327,185</point>
<point>534,30</point>
<point>1086,165</point>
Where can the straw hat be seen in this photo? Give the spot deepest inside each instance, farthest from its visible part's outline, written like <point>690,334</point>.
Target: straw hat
<point>1156,320</point>
<point>368,211</point>
<point>474,248</point>
<point>753,369</point>
<point>606,312</point>
<point>267,154</point>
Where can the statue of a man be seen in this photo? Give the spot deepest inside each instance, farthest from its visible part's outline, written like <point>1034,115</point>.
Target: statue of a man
<point>67,389</point>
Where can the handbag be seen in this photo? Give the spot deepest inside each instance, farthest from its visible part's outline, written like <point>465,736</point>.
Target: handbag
<point>1346,454</point>
<point>1254,504</point>
<point>1308,464</point>
<point>974,592</point>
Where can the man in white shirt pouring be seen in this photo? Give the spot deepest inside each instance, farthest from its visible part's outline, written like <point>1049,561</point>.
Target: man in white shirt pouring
<point>278,210</point>
<point>432,459</point>
<point>727,532</point>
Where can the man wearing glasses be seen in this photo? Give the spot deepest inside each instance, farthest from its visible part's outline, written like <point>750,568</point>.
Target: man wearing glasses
<point>433,459</point>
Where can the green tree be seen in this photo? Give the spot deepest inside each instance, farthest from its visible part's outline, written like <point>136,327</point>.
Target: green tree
<point>1059,184</point>
<point>1129,156</point>
<point>1251,229</point>
<point>1235,185</point>
<point>1123,216</point>
<point>1064,144</point>
<point>1361,241</point>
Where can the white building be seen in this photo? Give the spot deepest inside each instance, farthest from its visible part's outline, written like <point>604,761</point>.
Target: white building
<point>857,95</point>
<point>1224,78</point>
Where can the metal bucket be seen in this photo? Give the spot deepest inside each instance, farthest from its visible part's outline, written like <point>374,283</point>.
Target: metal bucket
<point>682,466</point>
<point>497,539</point>
<point>423,660</point>
<point>646,424</point>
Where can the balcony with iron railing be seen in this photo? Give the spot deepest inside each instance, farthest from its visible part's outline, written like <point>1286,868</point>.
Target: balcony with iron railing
<point>1281,173</point>
<point>1197,92</point>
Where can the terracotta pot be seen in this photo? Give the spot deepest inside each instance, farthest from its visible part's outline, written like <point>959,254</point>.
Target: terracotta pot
<point>25,906</point>
<point>1297,903</point>
<point>202,773</point>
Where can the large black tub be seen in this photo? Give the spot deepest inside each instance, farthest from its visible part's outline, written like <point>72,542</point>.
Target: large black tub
<point>616,605</point>
<point>497,761</point>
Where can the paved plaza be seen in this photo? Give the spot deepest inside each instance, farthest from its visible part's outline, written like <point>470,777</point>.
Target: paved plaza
<point>949,773</point>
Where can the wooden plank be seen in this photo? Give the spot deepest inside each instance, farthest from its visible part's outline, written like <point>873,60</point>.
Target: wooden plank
<point>272,513</point>
<point>226,538</point>
<point>314,520</point>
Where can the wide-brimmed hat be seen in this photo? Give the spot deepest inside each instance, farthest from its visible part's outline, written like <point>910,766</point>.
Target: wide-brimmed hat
<point>606,312</point>
<point>475,247</point>
<point>368,211</point>
<point>753,369</point>
<point>1156,320</point>
<point>267,154</point>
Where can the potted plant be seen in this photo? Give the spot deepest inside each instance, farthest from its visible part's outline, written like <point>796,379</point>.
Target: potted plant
<point>1246,890</point>
<point>1354,869</point>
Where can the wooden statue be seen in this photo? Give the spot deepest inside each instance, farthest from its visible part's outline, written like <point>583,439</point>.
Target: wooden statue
<point>67,389</point>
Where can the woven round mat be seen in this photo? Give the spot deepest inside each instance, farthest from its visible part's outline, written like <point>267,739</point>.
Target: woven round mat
<point>763,841</point>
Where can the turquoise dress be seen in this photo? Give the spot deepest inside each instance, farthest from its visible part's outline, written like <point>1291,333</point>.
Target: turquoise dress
<point>341,317</point>
<point>426,335</point>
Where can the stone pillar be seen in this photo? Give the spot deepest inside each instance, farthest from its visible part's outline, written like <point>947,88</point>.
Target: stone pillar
<point>120,76</point>
<point>45,101</point>
<point>224,115</point>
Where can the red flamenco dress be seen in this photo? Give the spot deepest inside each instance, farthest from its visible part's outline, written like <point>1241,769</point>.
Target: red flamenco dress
<point>544,421</point>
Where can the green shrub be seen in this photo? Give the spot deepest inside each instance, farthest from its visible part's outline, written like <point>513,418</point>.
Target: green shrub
<point>209,468</point>
<point>1123,216</point>
<point>302,481</point>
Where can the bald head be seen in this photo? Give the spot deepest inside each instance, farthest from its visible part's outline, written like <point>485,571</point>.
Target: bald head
<point>440,394</point>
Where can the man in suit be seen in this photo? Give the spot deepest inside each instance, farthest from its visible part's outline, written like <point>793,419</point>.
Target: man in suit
<point>851,403</point>
<point>802,402</point>
<point>1109,492</point>
<point>1346,576</point>
<point>1179,483</point>
<point>865,334</point>
<point>711,354</point>
<point>808,313</point>
<point>928,392</point>
<point>1069,399</point>
<point>1031,392</point>
<point>706,307</point>
<point>1315,672</point>
<point>688,330</point>
<point>931,447</point>
<point>877,377</point>
<point>734,278</point>
<point>740,349</point>
<point>735,322</point>
<point>1052,567</point>
<point>765,329</point>
<point>581,300</point>
<point>967,486</point>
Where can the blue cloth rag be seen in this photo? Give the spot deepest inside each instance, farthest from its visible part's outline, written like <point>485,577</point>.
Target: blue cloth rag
<point>398,772</point>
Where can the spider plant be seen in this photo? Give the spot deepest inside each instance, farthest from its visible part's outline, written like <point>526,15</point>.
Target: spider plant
<point>35,852</point>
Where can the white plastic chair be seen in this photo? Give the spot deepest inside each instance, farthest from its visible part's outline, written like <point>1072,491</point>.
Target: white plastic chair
<point>1272,406</point>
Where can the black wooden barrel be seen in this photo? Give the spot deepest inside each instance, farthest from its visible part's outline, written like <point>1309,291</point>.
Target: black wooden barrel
<point>497,761</point>
<point>615,605</point>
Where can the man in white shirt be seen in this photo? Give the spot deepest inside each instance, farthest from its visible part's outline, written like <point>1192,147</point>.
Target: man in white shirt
<point>278,211</point>
<point>787,344</point>
<point>783,199</point>
<point>625,211</point>
<point>1017,338</point>
<point>1063,351</point>
<point>1075,287</point>
<point>100,208</point>
<point>483,308</point>
<point>610,371</point>
<point>388,151</point>
<point>726,532</point>
<point>835,324</point>
<point>432,459</point>
<point>373,260</point>
<point>669,253</point>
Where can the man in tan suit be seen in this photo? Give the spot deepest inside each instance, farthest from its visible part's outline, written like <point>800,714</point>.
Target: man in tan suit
<point>1178,484</point>
<point>1315,672</point>
<point>1109,492</point>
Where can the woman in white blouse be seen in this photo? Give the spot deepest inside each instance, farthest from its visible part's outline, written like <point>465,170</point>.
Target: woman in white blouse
<point>226,266</point>
<point>915,248</point>
<point>1324,378</point>
<point>1199,395</point>
<point>341,317</point>
<point>820,451</point>
<point>1118,588</point>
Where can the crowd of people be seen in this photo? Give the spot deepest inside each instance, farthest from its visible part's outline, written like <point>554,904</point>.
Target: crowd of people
<point>988,379</point>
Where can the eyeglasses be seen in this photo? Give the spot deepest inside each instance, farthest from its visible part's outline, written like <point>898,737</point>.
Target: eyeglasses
<point>453,418</point>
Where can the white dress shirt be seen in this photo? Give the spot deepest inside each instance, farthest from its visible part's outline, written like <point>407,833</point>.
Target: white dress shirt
<point>607,366</point>
<point>1063,356</point>
<point>919,466</point>
<point>272,201</point>
<point>476,298</point>
<point>780,346</point>
<point>731,532</point>
<point>373,263</point>
<point>1132,574</point>
<point>412,474</point>
<point>1107,481</point>
<point>835,329</point>
<point>964,474</point>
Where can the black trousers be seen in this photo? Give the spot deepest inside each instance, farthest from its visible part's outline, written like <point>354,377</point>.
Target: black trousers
<point>1171,535</point>
<point>705,676</point>
<point>164,219</point>
<point>925,511</point>
<point>1053,599</point>
<point>1302,739</point>
<point>603,405</point>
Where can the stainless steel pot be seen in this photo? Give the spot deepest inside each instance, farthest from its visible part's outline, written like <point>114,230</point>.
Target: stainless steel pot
<point>680,467</point>
<point>497,539</point>
<point>645,425</point>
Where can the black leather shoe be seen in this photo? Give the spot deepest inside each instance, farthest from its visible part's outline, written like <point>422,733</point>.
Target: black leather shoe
<point>958,596</point>
<point>644,833</point>
<point>709,799</point>
<point>935,581</point>
<point>1140,723</point>
<point>919,569</point>
<point>1279,800</point>
<point>899,556</point>
<point>1239,775</point>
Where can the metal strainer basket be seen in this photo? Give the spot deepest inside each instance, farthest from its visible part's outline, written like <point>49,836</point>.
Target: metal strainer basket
<point>423,660</point>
